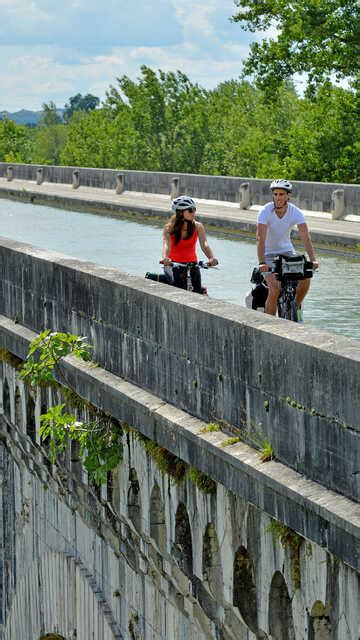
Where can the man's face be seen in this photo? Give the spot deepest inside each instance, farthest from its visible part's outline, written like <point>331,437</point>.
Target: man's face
<point>280,198</point>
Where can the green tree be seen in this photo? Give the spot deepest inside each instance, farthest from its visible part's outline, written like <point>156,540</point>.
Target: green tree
<point>160,120</point>
<point>49,137</point>
<point>47,143</point>
<point>323,139</point>
<point>318,37</point>
<point>303,138</point>
<point>247,135</point>
<point>90,140</point>
<point>79,102</point>
<point>49,115</point>
<point>15,144</point>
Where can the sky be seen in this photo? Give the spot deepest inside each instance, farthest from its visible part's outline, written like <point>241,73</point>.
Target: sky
<point>51,50</point>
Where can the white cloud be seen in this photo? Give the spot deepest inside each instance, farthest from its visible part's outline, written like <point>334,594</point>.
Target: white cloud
<point>195,15</point>
<point>51,52</point>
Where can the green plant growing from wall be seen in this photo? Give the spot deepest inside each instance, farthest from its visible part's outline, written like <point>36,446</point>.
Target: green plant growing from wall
<point>212,426</point>
<point>230,441</point>
<point>165,461</point>
<point>292,541</point>
<point>173,466</point>
<point>202,481</point>
<point>100,446</point>
<point>255,437</point>
<point>45,353</point>
<point>267,452</point>
<point>10,358</point>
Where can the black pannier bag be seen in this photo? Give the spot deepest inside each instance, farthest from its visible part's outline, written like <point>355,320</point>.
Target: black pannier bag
<point>256,298</point>
<point>257,276</point>
<point>158,277</point>
<point>259,296</point>
<point>292,268</point>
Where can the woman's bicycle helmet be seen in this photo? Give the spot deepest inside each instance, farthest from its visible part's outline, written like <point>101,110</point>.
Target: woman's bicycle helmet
<point>281,184</point>
<point>181,203</point>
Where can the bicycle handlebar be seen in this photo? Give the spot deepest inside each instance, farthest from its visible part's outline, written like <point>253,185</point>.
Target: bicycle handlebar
<point>200,263</point>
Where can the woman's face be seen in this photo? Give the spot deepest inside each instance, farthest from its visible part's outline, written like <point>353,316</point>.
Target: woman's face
<point>189,214</point>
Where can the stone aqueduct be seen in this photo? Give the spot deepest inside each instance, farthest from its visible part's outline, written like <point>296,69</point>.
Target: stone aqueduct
<point>145,556</point>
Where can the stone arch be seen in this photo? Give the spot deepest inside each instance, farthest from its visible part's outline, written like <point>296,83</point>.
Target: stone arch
<point>211,562</point>
<point>183,540</point>
<point>30,418</point>
<point>19,418</point>
<point>134,500</point>
<point>6,400</point>
<point>281,624</point>
<point>320,627</point>
<point>60,580</point>
<point>244,589</point>
<point>157,518</point>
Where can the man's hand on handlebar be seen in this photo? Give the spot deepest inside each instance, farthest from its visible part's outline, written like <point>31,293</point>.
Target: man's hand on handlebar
<point>166,262</point>
<point>212,262</point>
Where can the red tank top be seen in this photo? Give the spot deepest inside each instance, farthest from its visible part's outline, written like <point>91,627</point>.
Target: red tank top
<point>184,250</point>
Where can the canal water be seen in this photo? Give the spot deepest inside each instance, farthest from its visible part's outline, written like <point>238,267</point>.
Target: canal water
<point>333,303</point>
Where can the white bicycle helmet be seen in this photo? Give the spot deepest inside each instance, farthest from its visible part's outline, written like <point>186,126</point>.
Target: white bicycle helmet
<point>281,184</point>
<point>181,203</point>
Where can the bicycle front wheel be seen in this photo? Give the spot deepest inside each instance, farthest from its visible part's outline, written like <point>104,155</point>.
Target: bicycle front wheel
<point>291,311</point>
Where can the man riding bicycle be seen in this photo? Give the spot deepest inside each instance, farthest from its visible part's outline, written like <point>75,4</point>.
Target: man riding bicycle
<point>275,222</point>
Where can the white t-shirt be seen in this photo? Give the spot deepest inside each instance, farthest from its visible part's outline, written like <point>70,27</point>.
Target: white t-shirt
<point>278,229</point>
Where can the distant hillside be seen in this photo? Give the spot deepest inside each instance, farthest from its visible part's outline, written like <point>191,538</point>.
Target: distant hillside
<point>24,116</point>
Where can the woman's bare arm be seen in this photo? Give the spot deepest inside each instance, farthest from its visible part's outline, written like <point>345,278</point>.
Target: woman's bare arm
<point>166,245</point>
<point>205,245</point>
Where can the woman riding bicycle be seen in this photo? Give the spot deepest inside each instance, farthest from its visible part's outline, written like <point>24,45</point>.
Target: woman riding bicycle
<point>180,236</point>
<point>275,222</point>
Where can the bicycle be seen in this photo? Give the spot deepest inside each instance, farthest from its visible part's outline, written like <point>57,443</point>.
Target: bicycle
<point>187,272</point>
<point>288,270</point>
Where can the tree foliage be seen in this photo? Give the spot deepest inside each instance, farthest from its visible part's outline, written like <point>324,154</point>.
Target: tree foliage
<point>49,115</point>
<point>47,143</point>
<point>163,122</point>
<point>318,37</point>
<point>86,103</point>
<point>48,138</point>
<point>15,144</point>
<point>160,121</point>
<point>89,141</point>
<point>304,139</point>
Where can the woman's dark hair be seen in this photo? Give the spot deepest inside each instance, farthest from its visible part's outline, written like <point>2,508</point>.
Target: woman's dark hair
<point>176,225</point>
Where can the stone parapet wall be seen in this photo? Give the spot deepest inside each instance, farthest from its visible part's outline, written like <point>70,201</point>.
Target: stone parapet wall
<point>315,196</point>
<point>263,378</point>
